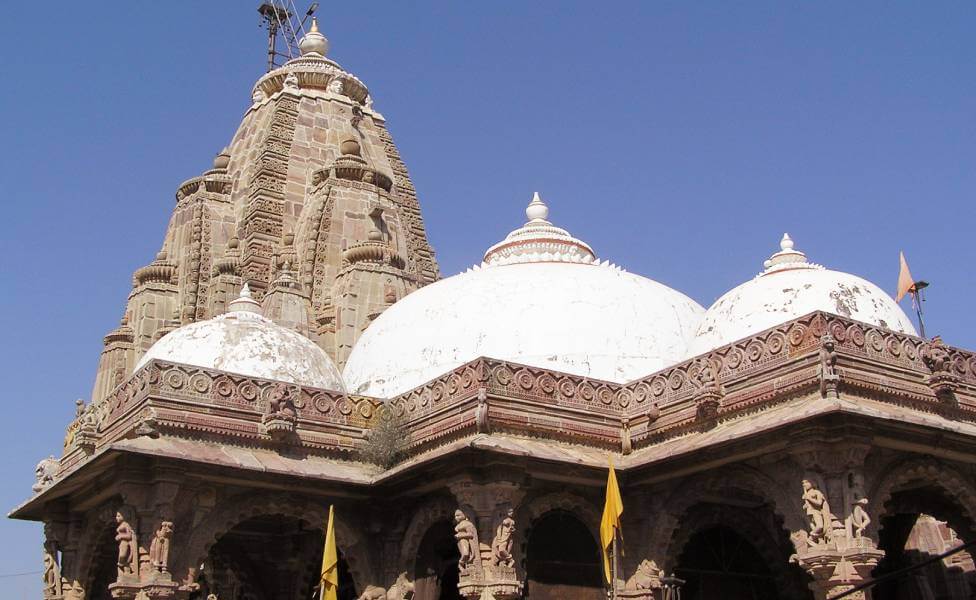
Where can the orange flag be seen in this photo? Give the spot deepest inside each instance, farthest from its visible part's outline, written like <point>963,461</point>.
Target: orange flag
<point>905,281</point>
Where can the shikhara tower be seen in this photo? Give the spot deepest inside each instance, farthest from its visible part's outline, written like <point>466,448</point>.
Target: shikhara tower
<point>310,205</point>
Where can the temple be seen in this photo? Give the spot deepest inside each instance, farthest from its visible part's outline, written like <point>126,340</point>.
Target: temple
<point>293,347</point>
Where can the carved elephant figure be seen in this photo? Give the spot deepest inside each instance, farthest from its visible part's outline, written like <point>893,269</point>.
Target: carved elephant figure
<point>402,589</point>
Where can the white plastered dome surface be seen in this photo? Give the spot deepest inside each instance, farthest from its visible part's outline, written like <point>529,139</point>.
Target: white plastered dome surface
<point>540,298</point>
<point>789,288</point>
<point>244,342</point>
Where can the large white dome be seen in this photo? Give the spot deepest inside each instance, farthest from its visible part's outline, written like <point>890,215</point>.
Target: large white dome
<point>540,298</point>
<point>791,287</point>
<point>244,342</point>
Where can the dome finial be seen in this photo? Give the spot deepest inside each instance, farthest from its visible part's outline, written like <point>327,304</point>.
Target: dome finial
<point>786,258</point>
<point>537,210</point>
<point>786,243</point>
<point>314,42</point>
<point>244,302</point>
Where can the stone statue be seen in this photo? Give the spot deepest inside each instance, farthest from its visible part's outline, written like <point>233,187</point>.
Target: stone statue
<point>52,575</point>
<point>159,548</point>
<point>44,473</point>
<point>402,589</point>
<point>335,86</point>
<point>128,562</point>
<point>859,518</point>
<point>647,577</point>
<point>258,96</point>
<point>818,509</point>
<point>501,546</point>
<point>465,533</point>
<point>280,403</point>
<point>79,407</point>
<point>291,82</point>
<point>828,355</point>
<point>935,355</point>
<point>828,366</point>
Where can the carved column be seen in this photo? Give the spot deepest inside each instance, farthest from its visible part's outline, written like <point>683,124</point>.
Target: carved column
<point>490,507</point>
<point>835,550</point>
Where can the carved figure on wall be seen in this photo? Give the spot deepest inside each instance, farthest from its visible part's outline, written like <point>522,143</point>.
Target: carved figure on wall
<point>465,533</point>
<point>818,509</point>
<point>52,575</point>
<point>859,518</point>
<point>647,577</point>
<point>935,355</point>
<point>501,546</point>
<point>258,96</point>
<point>402,589</point>
<point>280,404</point>
<point>44,473</point>
<point>335,86</point>
<point>291,82</point>
<point>159,548</point>
<point>128,562</point>
<point>828,366</point>
<point>828,355</point>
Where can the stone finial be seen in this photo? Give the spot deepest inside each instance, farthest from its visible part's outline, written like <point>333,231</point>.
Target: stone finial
<point>314,42</point>
<point>786,243</point>
<point>537,211</point>
<point>787,258</point>
<point>222,159</point>
<point>244,302</point>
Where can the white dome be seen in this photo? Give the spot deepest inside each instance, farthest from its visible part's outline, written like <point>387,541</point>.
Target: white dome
<point>540,298</point>
<point>791,287</point>
<point>244,342</point>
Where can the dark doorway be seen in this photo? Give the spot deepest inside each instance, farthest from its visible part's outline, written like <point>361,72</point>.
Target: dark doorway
<point>562,560</point>
<point>270,557</point>
<point>922,524</point>
<point>719,564</point>
<point>436,567</point>
<point>104,561</point>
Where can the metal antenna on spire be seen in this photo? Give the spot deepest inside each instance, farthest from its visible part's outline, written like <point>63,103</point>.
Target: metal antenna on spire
<point>278,17</point>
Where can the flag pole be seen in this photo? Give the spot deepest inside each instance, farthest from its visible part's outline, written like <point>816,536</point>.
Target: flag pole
<point>917,299</point>
<point>613,584</point>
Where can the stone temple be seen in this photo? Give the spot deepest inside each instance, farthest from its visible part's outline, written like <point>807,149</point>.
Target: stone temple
<point>293,346</point>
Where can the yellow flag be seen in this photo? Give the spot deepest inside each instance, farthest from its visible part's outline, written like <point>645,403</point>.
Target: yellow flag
<point>330,564</point>
<point>612,509</point>
<point>905,281</point>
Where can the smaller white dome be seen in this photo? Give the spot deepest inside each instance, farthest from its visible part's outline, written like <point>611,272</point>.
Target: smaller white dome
<point>791,287</point>
<point>245,342</point>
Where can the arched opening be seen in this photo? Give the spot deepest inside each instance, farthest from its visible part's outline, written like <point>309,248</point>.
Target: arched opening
<point>269,557</point>
<point>104,565</point>
<point>719,563</point>
<point>737,553</point>
<point>562,560</point>
<point>919,524</point>
<point>436,567</point>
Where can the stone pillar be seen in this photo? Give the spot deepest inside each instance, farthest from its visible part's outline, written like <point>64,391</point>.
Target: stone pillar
<point>835,549</point>
<point>490,507</point>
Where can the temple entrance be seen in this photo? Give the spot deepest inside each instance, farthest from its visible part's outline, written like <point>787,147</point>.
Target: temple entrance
<point>718,564</point>
<point>104,562</point>
<point>270,557</point>
<point>436,567</point>
<point>562,560</point>
<point>920,524</point>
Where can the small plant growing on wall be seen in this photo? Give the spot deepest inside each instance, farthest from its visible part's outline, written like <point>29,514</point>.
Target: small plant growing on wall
<point>386,439</point>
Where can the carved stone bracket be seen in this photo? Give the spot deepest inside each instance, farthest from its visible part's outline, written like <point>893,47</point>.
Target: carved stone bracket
<point>838,570</point>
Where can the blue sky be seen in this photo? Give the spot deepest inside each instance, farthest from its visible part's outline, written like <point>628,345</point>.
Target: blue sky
<point>679,139</point>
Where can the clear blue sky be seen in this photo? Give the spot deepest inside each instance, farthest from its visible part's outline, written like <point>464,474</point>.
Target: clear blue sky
<point>679,139</point>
